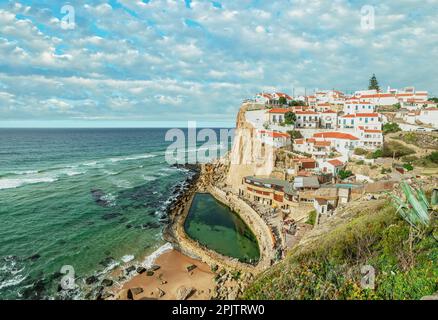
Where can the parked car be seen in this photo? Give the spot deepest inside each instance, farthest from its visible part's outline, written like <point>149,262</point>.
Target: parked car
<point>420,129</point>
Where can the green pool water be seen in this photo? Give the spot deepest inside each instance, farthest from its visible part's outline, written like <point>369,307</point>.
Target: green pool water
<point>215,226</point>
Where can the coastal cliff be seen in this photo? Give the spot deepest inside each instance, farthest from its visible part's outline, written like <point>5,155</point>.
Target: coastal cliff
<point>248,156</point>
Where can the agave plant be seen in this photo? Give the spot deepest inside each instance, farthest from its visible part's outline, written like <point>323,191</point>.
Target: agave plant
<point>415,209</point>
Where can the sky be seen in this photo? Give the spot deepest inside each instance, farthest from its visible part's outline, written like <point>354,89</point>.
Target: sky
<point>158,62</point>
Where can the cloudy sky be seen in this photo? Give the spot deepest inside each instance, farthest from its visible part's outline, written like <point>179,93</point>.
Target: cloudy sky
<point>159,61</point>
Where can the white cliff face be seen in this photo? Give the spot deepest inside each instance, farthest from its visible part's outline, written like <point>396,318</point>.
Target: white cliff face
<point>249,156</point>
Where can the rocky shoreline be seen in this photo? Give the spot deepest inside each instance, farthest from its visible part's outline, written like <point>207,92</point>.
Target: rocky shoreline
<point>230,275</point>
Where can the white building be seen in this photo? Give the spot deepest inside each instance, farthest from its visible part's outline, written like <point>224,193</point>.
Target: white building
<point>355,106</point>
<point>342,142</point>
<point>391,97</point>
<point>276,115</point>
<point>366,120</point>
<point>317,148</point>
<point>307,119</point>
<point>332,166</point>
<point>370,138</point>
<point>328,119</point>
<point>275,139</point>
<point>263,98</point>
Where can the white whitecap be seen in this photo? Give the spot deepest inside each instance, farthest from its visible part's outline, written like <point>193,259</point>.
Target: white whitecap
<point>127,258</point>
<point>149,261</point>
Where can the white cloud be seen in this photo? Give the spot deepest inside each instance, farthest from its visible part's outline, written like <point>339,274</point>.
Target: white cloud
<point>125,61</point>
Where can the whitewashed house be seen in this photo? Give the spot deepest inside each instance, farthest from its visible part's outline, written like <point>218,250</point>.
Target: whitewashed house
<point>307,119</point>
<point>354,106</point>
<point>332,166</point>
<point>328,119</point>
<point>276,115</point>
<point>317,148</point>
<point>263,98</point>
<point>275,139</point>
<point>370,138</point>
<point>342,142</point>
<point>366,120</point>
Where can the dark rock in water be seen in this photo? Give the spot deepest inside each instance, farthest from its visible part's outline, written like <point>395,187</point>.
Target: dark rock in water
<point>149,273</point>
<point>141,270</point>
<point>91,280</point>
<point>191,267</point>
<point>123,220</point>
<point>128,226</point>
<point>99,290</point>
<point>122,278</point>
<point>129,269</point>
<point>98,195</point>
<point>104,296</point>
<point>36,290</point>
<point>56,275</point>
<point>107,282</point>
<point>155,267</point>
<point>107,261</point>
<point>112,215</point>
<point>35,257</point>
<point>151,225</point>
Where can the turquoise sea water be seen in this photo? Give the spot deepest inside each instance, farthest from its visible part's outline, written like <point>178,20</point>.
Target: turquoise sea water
<point>89,198</point>
<point>217,227</point>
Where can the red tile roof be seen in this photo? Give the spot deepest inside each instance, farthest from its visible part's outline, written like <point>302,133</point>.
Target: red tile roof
<point>367,115</point>
<point>322,143</point>
<point>303,160</point>
<point>275,134</point>
<point>336,162</point>
<point>279,110</point>
<point>335,135</point>
<point>281,94</point>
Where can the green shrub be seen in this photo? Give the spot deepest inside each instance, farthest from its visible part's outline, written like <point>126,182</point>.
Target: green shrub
<point>344,174</point>
<point>433,157</point>
<point>295,134</point>
<point>360,151</point>
<point>408,166</point>
<point>409,159</point>
<point>394,148</point>
<point>375,154</point>
<point>311,219</point>
<point>391,127</point>
<point>329,268</point>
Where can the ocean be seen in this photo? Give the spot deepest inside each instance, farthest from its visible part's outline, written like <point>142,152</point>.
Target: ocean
<point>91,199</point>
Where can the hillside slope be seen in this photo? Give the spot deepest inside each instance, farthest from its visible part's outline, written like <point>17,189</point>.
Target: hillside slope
<point>327,263</point>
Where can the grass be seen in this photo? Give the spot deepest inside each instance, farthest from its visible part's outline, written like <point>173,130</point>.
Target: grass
<point>419,139</point>
<point>331,267</point>
<point>429,161</point>
<point>394,148</point>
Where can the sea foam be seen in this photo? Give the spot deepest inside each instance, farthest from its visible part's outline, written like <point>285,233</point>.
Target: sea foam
<point>149,261</point>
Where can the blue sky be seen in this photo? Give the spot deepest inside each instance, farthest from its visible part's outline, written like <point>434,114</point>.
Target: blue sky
<point>131,62</point>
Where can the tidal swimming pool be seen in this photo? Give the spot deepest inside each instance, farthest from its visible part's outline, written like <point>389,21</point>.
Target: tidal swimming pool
<point>215,226</point>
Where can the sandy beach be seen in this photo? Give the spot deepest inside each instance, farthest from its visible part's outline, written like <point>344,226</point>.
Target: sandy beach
<point>171,280</point>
